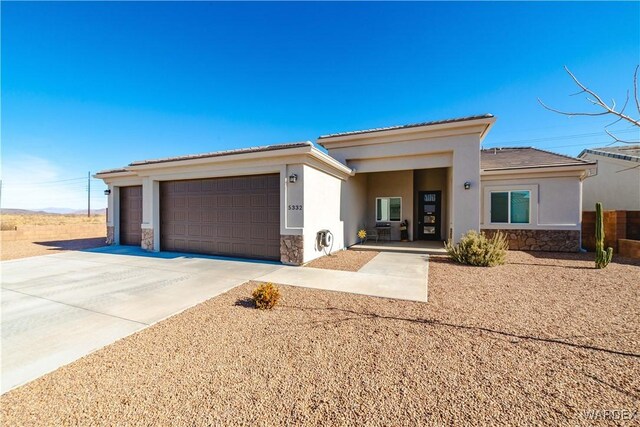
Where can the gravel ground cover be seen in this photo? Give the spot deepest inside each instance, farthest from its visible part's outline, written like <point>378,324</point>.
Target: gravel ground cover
<point>543,340</point>
<point>24,248</point>
<point>348,260</point>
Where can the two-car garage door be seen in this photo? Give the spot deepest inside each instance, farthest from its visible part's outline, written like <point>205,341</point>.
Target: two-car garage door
<point>231,216</point>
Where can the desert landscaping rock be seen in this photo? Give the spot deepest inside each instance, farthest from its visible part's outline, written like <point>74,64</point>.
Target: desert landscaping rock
<point>348,260</point>
<point>538,341</point>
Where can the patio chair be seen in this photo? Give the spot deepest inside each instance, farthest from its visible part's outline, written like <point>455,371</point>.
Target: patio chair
<point>372,233</point>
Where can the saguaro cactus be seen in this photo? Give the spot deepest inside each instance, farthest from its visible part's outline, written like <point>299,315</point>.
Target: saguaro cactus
<point>602,257</point>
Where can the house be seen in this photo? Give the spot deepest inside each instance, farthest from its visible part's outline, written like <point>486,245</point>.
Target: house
<point>271,202</point>
<point>617,182</point>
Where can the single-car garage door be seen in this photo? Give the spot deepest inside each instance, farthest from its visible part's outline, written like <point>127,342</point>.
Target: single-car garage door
<point>130,215</point>
<point>231,216</point>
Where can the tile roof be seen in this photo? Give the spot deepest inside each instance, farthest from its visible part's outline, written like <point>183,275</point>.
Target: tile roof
<point>114,170</point>
<point>524,157</point>
<point>630,153</point>
<point>411,125</point>
<point>224,153</point>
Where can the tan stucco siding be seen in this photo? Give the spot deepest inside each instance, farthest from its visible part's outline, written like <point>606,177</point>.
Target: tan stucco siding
<point>555,201</point>
<point>391,184</point>
<point>353,207</point>
<point>321,211</point>
<point>617,185</point>
<point>459,153</point>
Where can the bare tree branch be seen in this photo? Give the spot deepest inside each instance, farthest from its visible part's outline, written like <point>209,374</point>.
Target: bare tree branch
<point>635,88</point>
<point>626,101</point>
<point>607,109</point>
<point>616,139</point>
<point>567,113</point>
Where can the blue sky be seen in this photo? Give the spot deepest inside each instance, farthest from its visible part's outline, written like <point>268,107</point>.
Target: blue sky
<point>88,86</point>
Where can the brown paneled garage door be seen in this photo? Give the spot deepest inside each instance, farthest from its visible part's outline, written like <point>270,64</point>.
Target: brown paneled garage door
<point>130,215</point>
<point>231,216</point>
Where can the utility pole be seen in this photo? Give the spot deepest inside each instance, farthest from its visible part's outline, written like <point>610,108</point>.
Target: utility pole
<point>89,194</point>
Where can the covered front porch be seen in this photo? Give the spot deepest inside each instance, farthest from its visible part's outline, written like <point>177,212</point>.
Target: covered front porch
<point>401,206</point>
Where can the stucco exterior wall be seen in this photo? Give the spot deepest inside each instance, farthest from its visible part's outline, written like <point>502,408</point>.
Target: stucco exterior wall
<point>432,180</point>
<point>459,152</point>
<point>615,185</point>
<point>391,184</point>
<point>555,201</point>
<point>353,207</point>
<point>321,211</point>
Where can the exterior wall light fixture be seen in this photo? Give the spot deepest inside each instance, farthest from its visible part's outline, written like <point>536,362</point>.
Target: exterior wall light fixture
<point>293,178</point>
<point>467,185</point>
<point>107,192</point>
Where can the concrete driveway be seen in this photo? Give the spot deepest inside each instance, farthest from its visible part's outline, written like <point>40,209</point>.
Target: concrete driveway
<point>58,308</point>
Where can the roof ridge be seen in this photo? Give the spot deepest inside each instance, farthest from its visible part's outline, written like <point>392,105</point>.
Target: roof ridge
<point>409,125</point>
<point>613,154</point>
<point>507,148</point>
<point>560,154</point>
<point>220,153</point>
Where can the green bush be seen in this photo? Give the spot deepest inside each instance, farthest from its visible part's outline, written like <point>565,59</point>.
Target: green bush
<point>477,249</point>
<point>266,296</point>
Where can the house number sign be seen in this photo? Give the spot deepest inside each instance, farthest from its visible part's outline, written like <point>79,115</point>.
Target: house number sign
<point>295,207</point>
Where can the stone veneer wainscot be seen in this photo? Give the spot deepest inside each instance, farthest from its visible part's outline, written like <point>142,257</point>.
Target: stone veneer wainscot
<point>147,239</point>
<point>110,240</point>
<point>541,240</point>
<point>291,249</point>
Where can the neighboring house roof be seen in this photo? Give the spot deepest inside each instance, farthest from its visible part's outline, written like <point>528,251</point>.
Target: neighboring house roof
<point>525,158</point>
<point>411,125</point>
<point>224,153</point>
<point>630,153</point>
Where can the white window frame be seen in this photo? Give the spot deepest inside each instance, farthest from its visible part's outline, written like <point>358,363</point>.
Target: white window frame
<point>389,220</point>
<point>509,206</point>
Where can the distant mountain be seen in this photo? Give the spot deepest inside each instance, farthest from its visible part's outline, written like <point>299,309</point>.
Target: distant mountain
<point>93,212</point>
<point>58,210</point>
<point>21,212</point>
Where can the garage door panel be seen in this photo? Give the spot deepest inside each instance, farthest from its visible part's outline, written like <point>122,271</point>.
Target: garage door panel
<point>131,215</point>
<point>273,234</point>
<point>224,200</point>
<point>273,216</point>
<point>179,229</point>
<point>194,231</point>
<point>243,217</point>
<point>238,216</point>
<point>273,201</point>
<point>258,233</point>
<point>258,201</point>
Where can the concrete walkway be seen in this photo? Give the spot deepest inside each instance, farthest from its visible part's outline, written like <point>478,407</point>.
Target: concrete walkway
<point>58,308</point>
<point>388,275</point>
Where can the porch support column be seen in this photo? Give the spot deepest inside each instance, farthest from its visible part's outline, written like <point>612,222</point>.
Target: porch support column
<point>465,203</point>
<point>150,214</point>
<point>113,216</point>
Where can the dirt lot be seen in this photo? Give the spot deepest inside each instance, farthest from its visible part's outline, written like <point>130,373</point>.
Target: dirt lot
<point>540,341</point>
<point>349,260</point>
<point>50,233</point>
<point>25,248</point>
<point>10,221</point>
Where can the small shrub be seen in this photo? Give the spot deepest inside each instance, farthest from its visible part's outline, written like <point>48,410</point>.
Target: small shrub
<point>477,249</point>
<point>266,296</point>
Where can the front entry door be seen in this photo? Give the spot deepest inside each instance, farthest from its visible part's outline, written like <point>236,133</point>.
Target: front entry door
<point>429,215</point>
